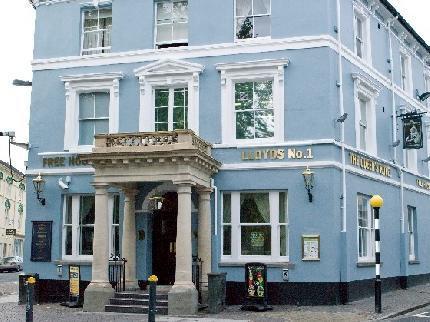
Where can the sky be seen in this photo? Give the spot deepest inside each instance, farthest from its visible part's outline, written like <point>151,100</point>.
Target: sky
<point>16,56</point>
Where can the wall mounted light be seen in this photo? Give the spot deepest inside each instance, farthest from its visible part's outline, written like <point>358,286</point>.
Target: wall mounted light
<point>308,177</point>
<point>342,118</point>
<point>427,159</point>
<point>156,201</point>
<point>39,185</point>
<point>423,96</point>
<point>396,143</point>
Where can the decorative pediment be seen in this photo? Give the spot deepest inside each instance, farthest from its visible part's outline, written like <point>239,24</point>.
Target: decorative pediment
<point>167,67</point>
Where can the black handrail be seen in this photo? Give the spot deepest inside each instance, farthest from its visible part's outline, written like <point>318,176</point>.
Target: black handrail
<point>117,272</point>
<point>197,276</point>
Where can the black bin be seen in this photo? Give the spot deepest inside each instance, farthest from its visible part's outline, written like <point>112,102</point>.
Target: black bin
<point>217,291</point>
<point>22,278</point>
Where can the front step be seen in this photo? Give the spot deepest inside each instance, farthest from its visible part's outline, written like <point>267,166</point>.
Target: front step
<point>136,302</point>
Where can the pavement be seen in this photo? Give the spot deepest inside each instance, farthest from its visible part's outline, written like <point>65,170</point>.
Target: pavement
<point>396,306</point>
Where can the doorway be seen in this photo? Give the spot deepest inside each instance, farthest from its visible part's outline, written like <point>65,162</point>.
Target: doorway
<point>164,239</point>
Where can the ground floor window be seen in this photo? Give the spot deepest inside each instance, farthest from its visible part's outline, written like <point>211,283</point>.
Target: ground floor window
<point>412,223</point>
<point>78,225</point>
<point>255,226</point>
<point>366,229</point>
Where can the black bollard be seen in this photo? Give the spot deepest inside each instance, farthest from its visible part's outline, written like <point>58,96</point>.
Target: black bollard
<point>29,307</point>
<point>152,298</point>
<point>377,202</point>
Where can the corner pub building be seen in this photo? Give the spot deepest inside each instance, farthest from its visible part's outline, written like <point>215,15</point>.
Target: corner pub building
<point>172,130</point>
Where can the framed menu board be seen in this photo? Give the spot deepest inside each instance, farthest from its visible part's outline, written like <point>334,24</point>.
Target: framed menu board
<point>310,247</point>
<point>41,241</point>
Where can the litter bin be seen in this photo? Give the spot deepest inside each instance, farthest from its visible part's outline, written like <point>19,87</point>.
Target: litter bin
<point>22,278</point>
<point>216,290</point>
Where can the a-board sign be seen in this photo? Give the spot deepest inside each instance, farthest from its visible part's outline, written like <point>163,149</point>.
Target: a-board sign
<point>74,278</point>
<point>256,287</point>
<point>41,241</point>
<point>255,280</point>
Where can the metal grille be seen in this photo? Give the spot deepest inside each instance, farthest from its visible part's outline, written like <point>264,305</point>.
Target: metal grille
<point>197,275</point>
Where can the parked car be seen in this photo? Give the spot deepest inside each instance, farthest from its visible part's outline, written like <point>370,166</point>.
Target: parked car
<point>13,263</point>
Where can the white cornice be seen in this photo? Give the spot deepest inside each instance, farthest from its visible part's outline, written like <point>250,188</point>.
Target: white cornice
<point>264,63</point>
<point>92,77</point>
<point>169,67</point>
<point>178,53</point>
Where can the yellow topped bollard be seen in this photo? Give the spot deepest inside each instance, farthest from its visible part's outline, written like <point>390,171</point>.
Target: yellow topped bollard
<point>376,201</point>
<point>152,309</point>
<point>31,280</point>
<point>153,278</point>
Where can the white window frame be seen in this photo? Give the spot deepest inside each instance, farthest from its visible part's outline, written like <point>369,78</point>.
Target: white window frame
<point>412,233</point>
<point>269,14</point>
<point>170,107</point>
<point>168,73</point>
<point>367,90</point>
<point>361,13</point>
<point>174,41</point>
<point>108,48</point>
<point>261,70</point>
<point>112,224</point>
<point>410,157</point>
<point>406,84</point>
<point>235,225</point>
<point>77,84</point>
<point>370,231</point>
<point>427,86</point>
<point>76,228</point>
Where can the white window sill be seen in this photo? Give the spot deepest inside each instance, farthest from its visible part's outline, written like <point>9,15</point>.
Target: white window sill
<point>414,262</point>
<point>253,40</point>
<point>81,149</point>
<point>240,263</point>
<point>366,263</point>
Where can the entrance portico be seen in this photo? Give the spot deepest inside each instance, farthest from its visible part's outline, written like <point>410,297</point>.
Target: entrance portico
<point>123,160</point>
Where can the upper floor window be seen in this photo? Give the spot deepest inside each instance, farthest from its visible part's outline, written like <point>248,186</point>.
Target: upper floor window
<point>92,107</point>
<point>254,110</point>
<point>169,96</point>
<point>406,72</point>
<point>427,87</point>
<point>253,18</point>
<point>365,92</point>
<point>96,31</point>
<point>171,109</point>
<point>93,116</point>
<point>171,24</point>
<point>361,34</point>
<point>252,101</point>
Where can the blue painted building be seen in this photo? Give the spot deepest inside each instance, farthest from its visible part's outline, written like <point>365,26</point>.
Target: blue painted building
<point>268,88</point>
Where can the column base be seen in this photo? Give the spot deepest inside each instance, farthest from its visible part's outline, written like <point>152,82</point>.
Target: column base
<point>96,296</point>
<point>183,300</point>
<point>204,293</point>
<point>131,285</point>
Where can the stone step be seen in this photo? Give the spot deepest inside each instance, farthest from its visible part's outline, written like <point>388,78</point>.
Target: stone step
<point>138,309</point>
<point>134,301</point>
<point>135,295</point>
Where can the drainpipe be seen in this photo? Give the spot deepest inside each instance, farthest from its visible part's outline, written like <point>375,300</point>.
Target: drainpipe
<point>215,188</point>
<point>341,112</point>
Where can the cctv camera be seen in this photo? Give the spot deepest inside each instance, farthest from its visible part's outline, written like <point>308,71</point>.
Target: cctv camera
<point>62,184</point>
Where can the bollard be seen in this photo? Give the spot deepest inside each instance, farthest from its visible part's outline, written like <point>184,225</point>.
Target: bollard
<point>377,202</point>
<point>152,309</point>
<point>29,307</point>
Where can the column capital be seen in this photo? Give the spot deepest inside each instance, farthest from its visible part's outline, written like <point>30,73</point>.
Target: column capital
<point>205,193</point>
<point>184,186</point>
<point>100,187</point>
<point>130,192</point>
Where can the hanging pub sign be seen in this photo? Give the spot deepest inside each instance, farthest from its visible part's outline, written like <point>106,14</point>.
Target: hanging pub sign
<point>412,130</point>
<point>256,287</point>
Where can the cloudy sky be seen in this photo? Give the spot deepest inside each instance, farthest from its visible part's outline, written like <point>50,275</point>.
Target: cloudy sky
<point>17,28</point>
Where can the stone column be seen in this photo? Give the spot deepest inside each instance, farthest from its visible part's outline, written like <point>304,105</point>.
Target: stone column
<point>204,238</point>
<point>98,293</point>
<point>183,295</point>
<point>128,243</point>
